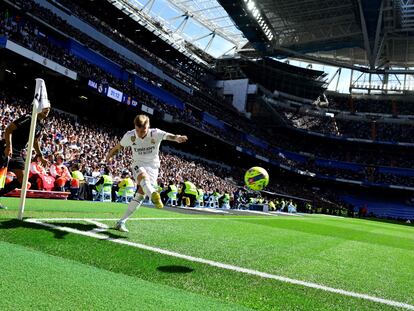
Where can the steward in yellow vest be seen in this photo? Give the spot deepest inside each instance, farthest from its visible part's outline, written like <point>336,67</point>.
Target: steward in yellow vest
<point>200,197</point>
<point>172,192</point>
<point>188,190</point>
<point>105,182</point>
<point>78,188</point>
<point>126,187</point>
<point>169,194</point>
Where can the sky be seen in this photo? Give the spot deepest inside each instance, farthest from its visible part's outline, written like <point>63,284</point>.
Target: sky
<point>169,15</point>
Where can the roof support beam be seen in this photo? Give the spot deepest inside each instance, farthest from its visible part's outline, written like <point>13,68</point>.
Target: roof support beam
<point>379,51</point>
<point>200,11</point>
<point>210,42</point>
<point>202,37</point>
<point>377,44</point>
<point>365,33</point>
<point>334,63</point>
<point>216,18</point>
<point>228,51</point>
<point>149,4</point>
<point>207,9</point>
<point>182,25</point>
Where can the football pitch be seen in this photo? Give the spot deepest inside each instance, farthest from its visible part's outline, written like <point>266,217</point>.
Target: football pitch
<point>66,256</point>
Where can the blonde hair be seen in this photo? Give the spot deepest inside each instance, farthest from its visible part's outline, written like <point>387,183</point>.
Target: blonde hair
<point>141,120</point>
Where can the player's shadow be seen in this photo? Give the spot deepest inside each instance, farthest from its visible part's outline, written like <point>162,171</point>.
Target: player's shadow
<point>58,234</point>
<point>86,228</point>
<point>175,269</point>
<point>16,223</point>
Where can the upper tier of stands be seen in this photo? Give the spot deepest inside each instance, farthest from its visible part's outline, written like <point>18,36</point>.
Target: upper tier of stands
<point>44,40</point>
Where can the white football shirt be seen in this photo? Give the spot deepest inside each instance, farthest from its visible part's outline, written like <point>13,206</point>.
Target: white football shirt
<point>145,151</point>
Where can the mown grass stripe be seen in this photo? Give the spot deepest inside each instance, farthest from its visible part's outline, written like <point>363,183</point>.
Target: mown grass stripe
<point>227,266</point>
<point>33,280</point>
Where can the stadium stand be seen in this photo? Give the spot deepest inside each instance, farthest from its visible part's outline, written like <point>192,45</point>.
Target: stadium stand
<point>181,95</point>
<point>393,105</point>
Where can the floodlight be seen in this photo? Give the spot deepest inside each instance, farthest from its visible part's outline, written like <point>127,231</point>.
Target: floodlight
<point>251,5</point>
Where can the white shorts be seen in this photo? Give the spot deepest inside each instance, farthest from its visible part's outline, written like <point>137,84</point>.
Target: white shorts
<point>150,171</point>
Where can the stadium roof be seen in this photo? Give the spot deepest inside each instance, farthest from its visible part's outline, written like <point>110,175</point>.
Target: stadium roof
<point>212,15</point>
<point>371,33</point>
<point>367,35</point>
<point>202,23</point>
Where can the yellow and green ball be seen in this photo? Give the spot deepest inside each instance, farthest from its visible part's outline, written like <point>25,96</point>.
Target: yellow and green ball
<point>256,178</point>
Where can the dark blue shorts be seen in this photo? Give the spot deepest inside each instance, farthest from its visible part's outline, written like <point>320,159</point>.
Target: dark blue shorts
<point>15,163</point>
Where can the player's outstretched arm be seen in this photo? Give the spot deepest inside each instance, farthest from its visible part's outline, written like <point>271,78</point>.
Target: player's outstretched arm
<point>177,138</point>
<point>113,152</point>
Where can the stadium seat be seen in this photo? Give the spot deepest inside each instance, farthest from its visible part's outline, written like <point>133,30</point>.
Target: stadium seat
<point>172,202</point>
<point>212,202</point>
<point>128,195</point>
<point>199,203</point>
<point>47,183</point>
<point>225,205</point>
<point>105,195</point>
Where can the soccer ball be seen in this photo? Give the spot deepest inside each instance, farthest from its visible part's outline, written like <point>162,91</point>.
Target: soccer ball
<point>256,178</point>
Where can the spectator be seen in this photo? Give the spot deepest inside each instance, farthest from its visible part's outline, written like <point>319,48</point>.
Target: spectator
<point>61,173</point>
<point>37,171</point>
<point>104,184</point>
<point>126,187</point>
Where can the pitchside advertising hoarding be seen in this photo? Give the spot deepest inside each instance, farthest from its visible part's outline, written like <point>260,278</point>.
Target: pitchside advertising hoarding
<point>114,94</point>
<point>126,99</point>
<point>106,90</point>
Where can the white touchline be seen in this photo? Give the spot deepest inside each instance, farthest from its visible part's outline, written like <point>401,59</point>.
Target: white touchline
<point>223,265</point>
<point>160,218</point>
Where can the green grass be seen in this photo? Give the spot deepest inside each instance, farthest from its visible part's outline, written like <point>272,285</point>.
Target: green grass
<point>32,279</point>
<point>367,257</point>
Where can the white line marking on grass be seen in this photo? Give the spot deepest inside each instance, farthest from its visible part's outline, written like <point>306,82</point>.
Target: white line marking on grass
<point>97,223</point>
<point>256,212</point>
<point>212,263</point>
<point>100,226</point>
<point>203,209</point>
<point>285,214</point>
<point>158,218</point>
<point>332,216</point>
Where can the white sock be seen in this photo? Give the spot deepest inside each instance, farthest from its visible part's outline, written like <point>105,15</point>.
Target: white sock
<point>132,206</point>
<point>147,187</point>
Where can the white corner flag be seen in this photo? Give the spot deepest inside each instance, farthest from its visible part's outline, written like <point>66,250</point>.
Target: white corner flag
<point>40,101</point>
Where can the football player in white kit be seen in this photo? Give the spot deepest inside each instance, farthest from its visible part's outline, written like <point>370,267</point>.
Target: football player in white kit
<point>145,144</point>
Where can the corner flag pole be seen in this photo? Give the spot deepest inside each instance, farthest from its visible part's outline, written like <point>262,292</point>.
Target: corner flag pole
<point>40,101</point>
